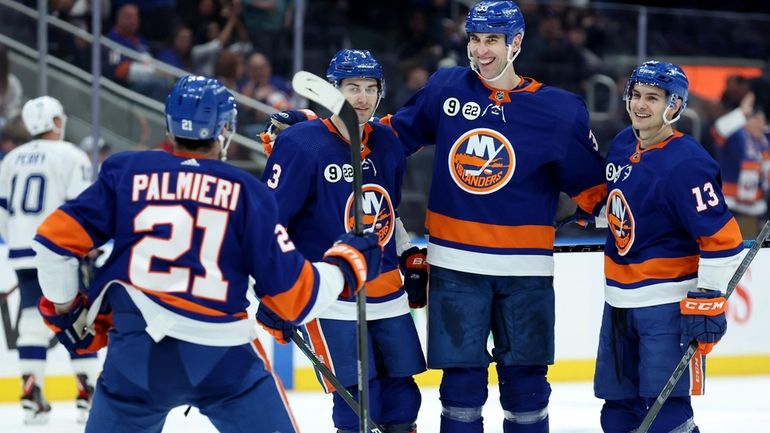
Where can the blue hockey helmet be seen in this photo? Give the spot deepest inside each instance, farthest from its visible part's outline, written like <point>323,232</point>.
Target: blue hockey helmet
<point>496,17</point>
<point>200,108</point>
<point>349,63</point>
<point>667,76</point>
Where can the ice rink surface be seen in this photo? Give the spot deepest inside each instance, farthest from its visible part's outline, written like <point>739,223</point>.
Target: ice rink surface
<point>730,405</point>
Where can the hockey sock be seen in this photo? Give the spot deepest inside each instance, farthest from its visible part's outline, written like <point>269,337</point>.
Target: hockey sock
<point>622,416</point>
<point>524,394</point>
<point>463,393</point>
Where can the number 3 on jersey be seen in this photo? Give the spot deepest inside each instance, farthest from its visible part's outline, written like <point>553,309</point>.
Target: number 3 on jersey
<point>708,189</point>
<point>273,181</point>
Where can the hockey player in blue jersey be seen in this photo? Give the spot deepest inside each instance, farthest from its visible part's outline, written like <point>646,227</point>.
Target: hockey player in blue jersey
<point>189,232</point>
<point>309,170</point>
<point>506,145</point>
<point>672,248</point>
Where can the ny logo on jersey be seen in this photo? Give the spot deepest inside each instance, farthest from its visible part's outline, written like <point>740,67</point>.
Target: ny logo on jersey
<point>613,172</point>
<point>379,216</point>
<point>620,221</point>
<point>481,161</point>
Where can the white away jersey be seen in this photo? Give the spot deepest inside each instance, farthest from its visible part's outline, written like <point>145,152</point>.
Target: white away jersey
<point>35,179</point>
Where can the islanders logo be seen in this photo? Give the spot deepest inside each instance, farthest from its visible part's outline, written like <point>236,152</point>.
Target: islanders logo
<point>481,161</point>
<point>379,217</point>
<point>620,221</point>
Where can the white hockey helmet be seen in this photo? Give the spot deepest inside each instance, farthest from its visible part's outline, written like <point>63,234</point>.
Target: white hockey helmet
<point>38,114</point>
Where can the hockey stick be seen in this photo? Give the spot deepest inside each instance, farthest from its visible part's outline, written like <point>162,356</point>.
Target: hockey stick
<point>324,370</point>
<point>11,332</point>
<point>324,93</point>
<point>693,346</point>
<point>591,248</point>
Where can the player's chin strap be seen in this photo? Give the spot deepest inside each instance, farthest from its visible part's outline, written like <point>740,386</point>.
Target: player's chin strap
<point>510,55</point>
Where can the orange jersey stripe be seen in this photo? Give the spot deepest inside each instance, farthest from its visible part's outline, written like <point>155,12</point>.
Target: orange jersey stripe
<point>64,231</point>
<point>184,304</point>
<point>320,349</point>
<point>751,165</point>
<point>387,283</point>
<point>588,199</point>
<point>661,268</point>
<point>387,121</point>
<point>726,238</point>
<point>489,235</point>
<point>260,351</point>
<point>289,304</point>
<point>730,189</point>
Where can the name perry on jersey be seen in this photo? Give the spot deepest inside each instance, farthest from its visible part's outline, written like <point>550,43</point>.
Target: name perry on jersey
<point>29,158</point>
<point>203,188</point>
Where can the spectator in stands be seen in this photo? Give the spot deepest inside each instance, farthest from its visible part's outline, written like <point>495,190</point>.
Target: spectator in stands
<point>201,58</point>
<point>552,58</point>
<point>10,89</point>
<point>140,76</point>
<point>179,50</point>
<point>262,85</point>
<point>229,69</point>
<point>269,25</point>
<point>157,18</point>
<point>745,163</point>
<point>13,134</point>
<point>418,40</point>
<point>415,77</point>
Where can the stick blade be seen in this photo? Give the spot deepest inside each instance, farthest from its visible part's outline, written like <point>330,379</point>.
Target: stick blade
<point>318,90</point>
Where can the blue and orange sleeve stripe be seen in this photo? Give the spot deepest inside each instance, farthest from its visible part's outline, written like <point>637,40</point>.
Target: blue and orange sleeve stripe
<point>64,234</point>
<point>589,198</point>
<point>726,241</point>
<point>294,303</point>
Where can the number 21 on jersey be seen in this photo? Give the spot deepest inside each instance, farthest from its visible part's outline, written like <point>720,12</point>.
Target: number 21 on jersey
<point>212,284</point>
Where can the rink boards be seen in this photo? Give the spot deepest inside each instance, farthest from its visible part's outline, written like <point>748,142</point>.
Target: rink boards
<point>579,301</point>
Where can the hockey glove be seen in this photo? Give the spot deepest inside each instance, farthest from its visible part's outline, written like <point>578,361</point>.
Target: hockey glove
<point>415,269</point>
<point>280,121</point>
<point>359,257</point>
<point>582,218</point>
<point>703,318</point>
<point>277,327</point>
<point>71,329</point>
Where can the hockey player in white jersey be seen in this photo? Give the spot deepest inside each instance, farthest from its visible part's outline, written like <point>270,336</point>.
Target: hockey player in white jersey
<point>35,179</point>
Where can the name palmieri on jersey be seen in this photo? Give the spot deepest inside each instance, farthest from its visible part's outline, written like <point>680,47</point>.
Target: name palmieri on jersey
<point>176,186</point>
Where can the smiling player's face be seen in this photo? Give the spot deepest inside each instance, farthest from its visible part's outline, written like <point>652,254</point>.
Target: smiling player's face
<point>647,106</point>
<point>489,52</point>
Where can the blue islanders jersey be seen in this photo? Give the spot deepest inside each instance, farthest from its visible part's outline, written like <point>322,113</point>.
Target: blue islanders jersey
<point>745,164</point>
<point>670,229</point>
<point>501,159</point>
<point>188,233</point>
<point>310,172</point>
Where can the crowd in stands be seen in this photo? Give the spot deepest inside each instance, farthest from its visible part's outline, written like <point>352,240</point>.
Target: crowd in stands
<point>247,45</point>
